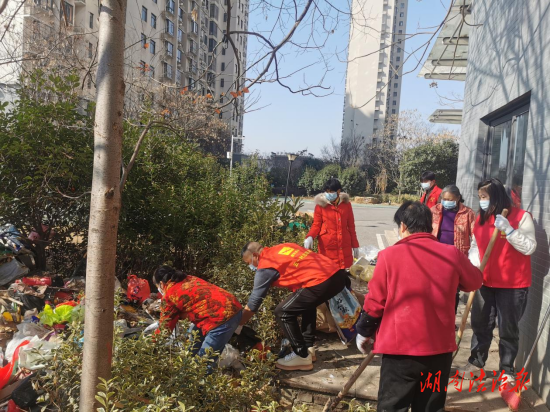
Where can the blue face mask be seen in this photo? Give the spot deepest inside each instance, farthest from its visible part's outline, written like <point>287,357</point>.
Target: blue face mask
<point>484,205</point>
<point>331,197</point>
<point>448,204</point>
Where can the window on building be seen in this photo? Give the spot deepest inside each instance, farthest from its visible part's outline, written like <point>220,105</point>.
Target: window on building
<point>401,23</point>
<point>402,5</point>
<point>214,11</point>
<point>143,40</point>
<point>505,149</point>
<point>152,46</point>
<point>90,50</point>
<point>170,6</point>
<point>144,13</point>
<point>223,66</point>
<point>401,14</point>
<point>91,23</point>
<point>169,48</point>
<point>153,20</point>
<point>169,27</point>
<point>398,50</point>
<point>151,71</point>
<point>211,45</point>
<point>394,94</point>
<point>400,32</point>
<point>394,102</point>
<point>179,56</point>
<point>393,111</point>
<point>167,70</point>
<point>69,12</point>
<point>222,82</point>
<point>223,51</point>
<point>89,82</point>
<point>225,17</point>
<point>396,77</point>
<point>213,28</point>
<point>180,14</point>
<point>398,59</point>
<point>180,35</point>
<point>395,84</point>
<point>142,66</point>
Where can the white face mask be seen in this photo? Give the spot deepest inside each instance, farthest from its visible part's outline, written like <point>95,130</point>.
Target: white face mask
<point>425,185</point>
<point>161,291</point>
<point>484,205</point>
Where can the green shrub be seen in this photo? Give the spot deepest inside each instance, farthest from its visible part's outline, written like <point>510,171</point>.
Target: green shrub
<point>329,171</point>
<point>307,180</point>
<point>353,181</point>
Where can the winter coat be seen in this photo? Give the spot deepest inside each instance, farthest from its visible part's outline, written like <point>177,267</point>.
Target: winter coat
<point>464,225</point>
<point>433,196</point>
<point>413,292</point>
<point>335,227</point>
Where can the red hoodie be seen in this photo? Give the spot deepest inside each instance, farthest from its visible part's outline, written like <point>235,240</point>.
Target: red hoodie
<point>413,289</point>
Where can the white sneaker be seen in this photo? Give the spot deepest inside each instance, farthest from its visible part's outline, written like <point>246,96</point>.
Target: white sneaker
<point>311,351</point>
<point>466,371</point>
<point>510,380</point>
<point>293,361</point>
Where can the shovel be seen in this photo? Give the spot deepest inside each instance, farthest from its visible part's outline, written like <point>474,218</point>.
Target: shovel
<point>473,293</point>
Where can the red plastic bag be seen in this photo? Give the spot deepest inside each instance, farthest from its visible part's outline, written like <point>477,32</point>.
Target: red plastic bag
<point>138,289</point>
<point>37,280</point>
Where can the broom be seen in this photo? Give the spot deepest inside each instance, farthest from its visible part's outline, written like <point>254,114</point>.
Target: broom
<point>473,293</point>
<point>513,399</point>
<point>331,404</point>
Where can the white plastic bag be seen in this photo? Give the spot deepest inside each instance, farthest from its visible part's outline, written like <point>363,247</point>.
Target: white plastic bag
<point>34,355</point>
<point>32,329</point>
<point>370,252</point>
<point>230,357</point>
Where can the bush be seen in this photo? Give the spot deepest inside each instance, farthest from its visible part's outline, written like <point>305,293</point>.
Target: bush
<point>329,171</point>
<point>440,157</point>
<point>307,180</point>
<point>353,181</point>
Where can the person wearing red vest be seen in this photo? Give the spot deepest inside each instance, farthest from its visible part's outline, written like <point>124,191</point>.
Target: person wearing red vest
<point>409,310</point>
<point>313,279</point>
<point>431,192</point>
<point>506,278</point>
<point>334,225</point>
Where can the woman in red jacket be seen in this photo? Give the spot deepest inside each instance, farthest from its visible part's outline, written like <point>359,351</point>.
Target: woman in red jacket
<point>506,278</point>
<point>334,224</point>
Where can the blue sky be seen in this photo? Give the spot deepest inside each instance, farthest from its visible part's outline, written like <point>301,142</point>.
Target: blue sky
<point>292,122</point>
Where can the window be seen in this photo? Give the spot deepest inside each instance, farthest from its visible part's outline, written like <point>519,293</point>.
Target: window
<point>393,111</point>
<point>398,50</point>
<point>180,35</point>
<point>170,6</point>
<point>169,48</point>
<point>398,59</point>
<point>90,50</point>
<point>179,55</point>
<point>223,66</point>
<point>396,77</point>
<point>143,40</point>
<point>89,82</point>
<point>179,76</point>
<point>155,1</point>
<point>211,45</point>
<point>152,46</point>
<point>402,5</point>
<point>395,84</point>
<point>225,17</point>
<point>144,13</point>
<point>214,11</point>
<point>394,102</point>
<point>222,82</point>
<point>180,14</point>
<point>169,27</point>
<point>142,67</point>
<point>223,51</point>
<point>151,70</point>
<point>505,149</point>
<point>153,20</point>
<point>195,27</point>
<point>401,23</point>
<point>400,32</point>
<point>167,70</point>
<point>91,23</point>
<point>401,14</point>
<point>394,94</point>
<point>69,12</point>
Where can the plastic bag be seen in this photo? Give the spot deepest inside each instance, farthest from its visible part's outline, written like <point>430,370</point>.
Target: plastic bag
<point>138,289</point>
<point>32,329</point>
<point>370,252</point>
<point>230,357</point>
<point>346,310</point>
<point>11,271</point>
<point>35,355</point>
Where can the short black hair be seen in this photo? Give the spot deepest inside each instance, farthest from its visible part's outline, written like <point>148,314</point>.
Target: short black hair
<point>427,176</point>
<point>416,216</point>
<point>332,184</point>
<point>166,274</point>
<point>245,248</point>
<point>498,199</point>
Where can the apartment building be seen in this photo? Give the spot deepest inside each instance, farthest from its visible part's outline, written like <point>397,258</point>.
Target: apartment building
<point>179,42</point>
<point>375,64</point>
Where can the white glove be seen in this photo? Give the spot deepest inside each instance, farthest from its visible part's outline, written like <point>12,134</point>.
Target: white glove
<point>356,253</point>
<point>238,330</point>
<point>502,224</point>
<point>364,344</point>
<point>308,243</point>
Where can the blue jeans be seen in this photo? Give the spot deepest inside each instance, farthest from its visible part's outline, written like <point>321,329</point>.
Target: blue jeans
<point>217,338</point>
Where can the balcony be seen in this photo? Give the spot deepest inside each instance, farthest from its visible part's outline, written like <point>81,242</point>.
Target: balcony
<point>169,10</point>
<point>166,36</point>
<point>79,3</point>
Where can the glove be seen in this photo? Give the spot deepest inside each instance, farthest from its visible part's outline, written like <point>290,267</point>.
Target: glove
<point>238,330</point>
<point>364,344</point>
<point>356,253</point>
<point>502,224</point>
<point>308,243</point>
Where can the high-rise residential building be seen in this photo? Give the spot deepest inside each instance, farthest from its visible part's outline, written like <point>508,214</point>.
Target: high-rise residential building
<point>179,42</point>
<point>375,64</point>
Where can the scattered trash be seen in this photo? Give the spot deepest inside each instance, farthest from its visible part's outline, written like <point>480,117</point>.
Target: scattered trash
<point>230,357</point>
<point>138,289</point>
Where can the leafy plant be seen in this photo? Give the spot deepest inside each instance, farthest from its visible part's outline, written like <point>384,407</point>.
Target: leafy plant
<point>307,180</point>
<point>353,181</point>
<point>329,171</point>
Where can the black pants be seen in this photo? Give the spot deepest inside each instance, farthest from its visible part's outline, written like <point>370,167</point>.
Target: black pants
<point>506,304</point>
<point>403,383</point>
<point>304,303</point>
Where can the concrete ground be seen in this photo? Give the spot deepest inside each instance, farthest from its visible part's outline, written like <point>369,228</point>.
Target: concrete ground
<point>337,362</point>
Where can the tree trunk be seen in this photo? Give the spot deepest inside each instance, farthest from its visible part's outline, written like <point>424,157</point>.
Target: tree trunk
<point>105,202</point>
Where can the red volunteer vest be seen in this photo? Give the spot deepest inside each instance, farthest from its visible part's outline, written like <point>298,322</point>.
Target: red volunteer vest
<point>298,267</point>
<point>507,267</point>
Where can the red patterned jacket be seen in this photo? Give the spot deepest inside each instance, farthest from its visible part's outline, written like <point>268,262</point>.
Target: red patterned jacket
<point>205,305</point>
<point>464,225</point>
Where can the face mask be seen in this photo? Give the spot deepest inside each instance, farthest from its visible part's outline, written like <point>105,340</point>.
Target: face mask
<point>252,267</point>
<point>448,204</point>
<point>484,205</point>
<point>425,185</point>
<point>161,291</point>
<point>331,196</point>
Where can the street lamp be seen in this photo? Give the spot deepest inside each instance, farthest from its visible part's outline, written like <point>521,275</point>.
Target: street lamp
<point>230,154</point>
<point>291,157</point>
